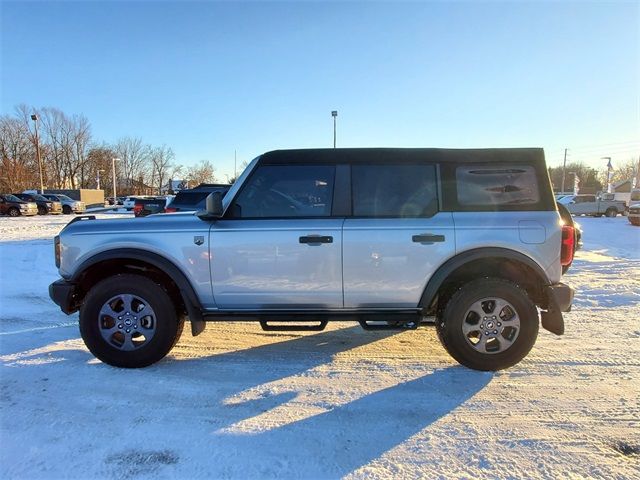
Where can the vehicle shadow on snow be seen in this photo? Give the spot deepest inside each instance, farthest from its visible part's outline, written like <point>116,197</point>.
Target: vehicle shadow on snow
<point>341,439</point>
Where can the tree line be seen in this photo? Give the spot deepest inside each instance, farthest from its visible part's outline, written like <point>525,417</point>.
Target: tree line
<point>591,180</point>
<point>72,158</point>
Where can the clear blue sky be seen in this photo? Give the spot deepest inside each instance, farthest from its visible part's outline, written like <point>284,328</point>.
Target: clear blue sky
<point>206,78</point>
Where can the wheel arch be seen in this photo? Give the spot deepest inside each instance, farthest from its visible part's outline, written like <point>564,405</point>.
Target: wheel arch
<point>484,262</point>
<point>148,264</point>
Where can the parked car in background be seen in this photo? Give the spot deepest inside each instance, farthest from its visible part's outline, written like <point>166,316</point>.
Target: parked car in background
<point>69,205</point>
<point>594,205</point>
<point>634,207</point>
<point>130,201</point>
<point>150,205</point>
<point>14,207</point>
<point>45,205</point>
<point>193,199</point>
<point>112,201</point>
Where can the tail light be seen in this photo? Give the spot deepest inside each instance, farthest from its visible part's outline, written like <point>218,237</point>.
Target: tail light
<point>137,209</point>
<point>170,210</point>
<point>568,245</point>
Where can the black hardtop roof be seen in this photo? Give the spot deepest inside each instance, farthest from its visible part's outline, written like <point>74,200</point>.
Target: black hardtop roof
<point>386,155</point>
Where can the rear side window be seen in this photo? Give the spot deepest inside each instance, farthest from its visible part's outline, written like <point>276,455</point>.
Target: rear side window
<point>496,185</point>
<point>394,190</point>
<point>283,191</point>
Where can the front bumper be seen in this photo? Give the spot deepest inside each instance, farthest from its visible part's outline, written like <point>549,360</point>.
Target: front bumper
<point>559,299</point>
<point>63,294</point>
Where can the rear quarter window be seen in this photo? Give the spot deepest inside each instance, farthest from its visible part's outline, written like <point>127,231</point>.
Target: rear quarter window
<point>496,186</point>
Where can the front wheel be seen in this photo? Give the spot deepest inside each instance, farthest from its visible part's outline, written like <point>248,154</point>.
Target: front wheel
<point>129,321</point>
<point>611,212</point>
<point>14,212</point>
<point>488,324</point>
<point>66,209</point>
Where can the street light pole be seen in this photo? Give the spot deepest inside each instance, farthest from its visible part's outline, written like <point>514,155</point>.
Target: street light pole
<point>99,178</point>
<point>609,168</point>
<point>34,117</point>
<point>334,114</point>
<point>113,166</point>
<point>564,168</point>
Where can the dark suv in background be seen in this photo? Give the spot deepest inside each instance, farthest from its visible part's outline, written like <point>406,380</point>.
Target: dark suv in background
<point>193,199</point>
<point>45,205</point>
<point>14,207</point>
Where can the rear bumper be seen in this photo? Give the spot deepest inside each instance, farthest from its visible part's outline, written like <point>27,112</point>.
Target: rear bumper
<point>63,294</point>
<point>560,297</point>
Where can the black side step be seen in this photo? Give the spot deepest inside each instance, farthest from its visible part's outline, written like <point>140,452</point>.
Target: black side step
<point>292,327</point>
<point>389,325</point>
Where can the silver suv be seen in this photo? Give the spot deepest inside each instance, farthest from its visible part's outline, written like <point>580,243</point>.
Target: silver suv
<point>384,237</point>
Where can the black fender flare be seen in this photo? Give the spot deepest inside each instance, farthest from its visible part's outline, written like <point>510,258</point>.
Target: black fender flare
<point>447,268</point>
<point>191,301</point>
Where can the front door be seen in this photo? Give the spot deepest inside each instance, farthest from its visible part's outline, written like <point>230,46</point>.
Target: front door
<point>278,246</point>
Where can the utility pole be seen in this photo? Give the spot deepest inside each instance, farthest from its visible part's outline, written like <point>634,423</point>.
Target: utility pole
<point>113,167</point>
<point>564,167</point>
<point>334,114</point>
<point>34,117</point>
<point>609,168</point>
<point>235,165</point>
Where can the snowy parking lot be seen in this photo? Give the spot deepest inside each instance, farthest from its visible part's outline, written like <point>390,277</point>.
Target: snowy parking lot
<point>237,402</point>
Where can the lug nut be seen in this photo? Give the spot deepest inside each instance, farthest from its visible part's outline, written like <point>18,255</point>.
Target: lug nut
<point>120,317</point>
<point>135,326</point>
<point>486,333</point>
<point>119,325</point>
<point>495,332</point>
<point>128,330</point>
<point>499,324</point>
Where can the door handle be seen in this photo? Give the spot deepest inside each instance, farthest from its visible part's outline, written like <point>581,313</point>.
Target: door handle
<point>316,239</point>
<point>427,238</point>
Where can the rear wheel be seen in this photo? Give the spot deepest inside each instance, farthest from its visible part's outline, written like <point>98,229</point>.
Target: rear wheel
<point>66,209</point>
<point>129,321</point>
<point>42,210</point>
<point>488,324</point>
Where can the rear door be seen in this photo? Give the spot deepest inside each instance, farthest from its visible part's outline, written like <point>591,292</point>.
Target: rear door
<point>396,236</point>
<point>278,246</point>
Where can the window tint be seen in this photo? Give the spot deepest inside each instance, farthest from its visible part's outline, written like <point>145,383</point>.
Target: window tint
<point>276,191</point>
<point>484,185</point>
<point>394,190</point>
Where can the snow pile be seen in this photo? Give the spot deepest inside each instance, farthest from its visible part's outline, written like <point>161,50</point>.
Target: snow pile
<point>237,402</point>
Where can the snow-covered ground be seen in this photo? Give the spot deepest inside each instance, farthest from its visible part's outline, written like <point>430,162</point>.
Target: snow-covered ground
<point>237,402</point>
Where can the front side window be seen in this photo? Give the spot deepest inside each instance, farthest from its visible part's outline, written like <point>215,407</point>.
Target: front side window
<point>490,186</point>
<point>394,190</point>
<point>282,191</point>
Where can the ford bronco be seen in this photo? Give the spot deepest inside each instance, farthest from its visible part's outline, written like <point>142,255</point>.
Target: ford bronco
<point>383,237</point>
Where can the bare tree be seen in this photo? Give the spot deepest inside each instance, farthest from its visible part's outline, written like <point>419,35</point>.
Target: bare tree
<point>203,172</point>
<point>19,164</point>
<point>134,156</point>
<point>161,158</point>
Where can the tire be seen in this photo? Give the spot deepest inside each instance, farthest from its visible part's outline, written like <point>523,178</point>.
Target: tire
<point>14,212</point>
<point>115,334</point>
<point>42,211</point>
<point>510,340</point>
<point>611,212</point>
<point>66,209</point>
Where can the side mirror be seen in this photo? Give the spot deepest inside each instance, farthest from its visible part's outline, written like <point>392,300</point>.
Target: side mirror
<point>213,207</point>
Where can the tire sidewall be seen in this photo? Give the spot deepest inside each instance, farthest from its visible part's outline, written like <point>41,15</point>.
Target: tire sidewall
<point>166,321</point>
<point>453,317</point>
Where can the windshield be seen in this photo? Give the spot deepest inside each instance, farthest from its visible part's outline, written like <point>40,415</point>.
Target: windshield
<point>39,198</point>
<point>64,197</point>
<point>12,198</point>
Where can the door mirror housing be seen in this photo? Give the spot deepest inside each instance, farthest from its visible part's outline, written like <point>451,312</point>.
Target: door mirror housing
<point>213,207</point>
